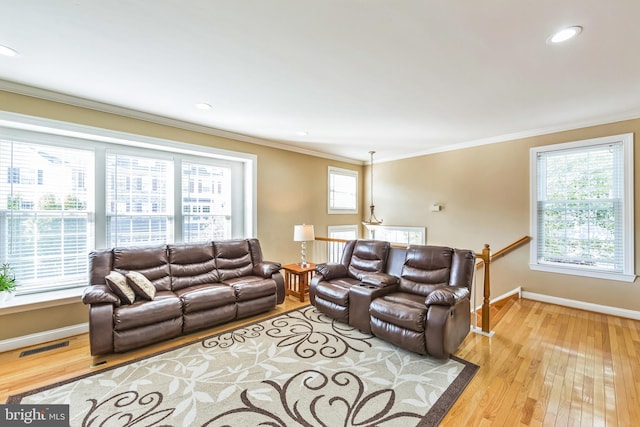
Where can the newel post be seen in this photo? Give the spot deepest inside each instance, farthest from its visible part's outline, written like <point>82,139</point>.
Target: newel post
<point>486,305</point>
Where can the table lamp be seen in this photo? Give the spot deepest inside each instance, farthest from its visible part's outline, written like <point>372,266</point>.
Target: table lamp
<point>303,233</point>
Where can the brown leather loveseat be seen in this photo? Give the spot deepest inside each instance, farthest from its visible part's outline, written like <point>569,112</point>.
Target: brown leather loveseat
<point>416,298</point>
<point>192,286</point>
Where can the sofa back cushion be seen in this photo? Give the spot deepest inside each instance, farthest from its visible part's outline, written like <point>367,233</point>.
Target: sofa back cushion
<point>192,264</point>
<point>425,269</point>
<point>152,262</point>
<point>233,259</point>
<point>368,256</point>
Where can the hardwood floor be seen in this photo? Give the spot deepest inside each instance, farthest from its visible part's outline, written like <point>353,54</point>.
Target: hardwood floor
<point>551,365</point>
<point>545,365</point>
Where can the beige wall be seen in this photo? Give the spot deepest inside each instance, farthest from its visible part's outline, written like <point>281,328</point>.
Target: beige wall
<point>292,189</point>
<point>484,190</point>
<point>485,193</point>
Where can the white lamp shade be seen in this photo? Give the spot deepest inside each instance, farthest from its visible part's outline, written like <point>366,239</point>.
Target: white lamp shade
<point>303,233</point>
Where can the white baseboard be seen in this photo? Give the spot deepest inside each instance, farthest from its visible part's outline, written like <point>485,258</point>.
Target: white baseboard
<point>42,337</point>
<point>477,330</point>
<point>597,308</point>
<point>517,290</point>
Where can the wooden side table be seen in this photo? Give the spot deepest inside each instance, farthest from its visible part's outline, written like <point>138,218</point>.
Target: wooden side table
<point>297,279</point>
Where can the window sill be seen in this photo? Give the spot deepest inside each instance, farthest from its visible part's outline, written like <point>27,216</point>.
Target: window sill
<point>586,273</point>
<point>22,303</point>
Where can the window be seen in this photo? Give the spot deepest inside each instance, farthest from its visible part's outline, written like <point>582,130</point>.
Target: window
<point>46,227</point>
<point>210,212</point>
<point>582,208</point>
<point>343,232</point>
<point>70,189</point>
<point>343,191</point>
<point>137,215</point>
<point>399,235</point>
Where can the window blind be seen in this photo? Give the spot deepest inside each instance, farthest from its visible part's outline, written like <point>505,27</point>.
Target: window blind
<point>580,207</point>
<point>139,200</point>
<point>206,202</point>
<point>46,212</point>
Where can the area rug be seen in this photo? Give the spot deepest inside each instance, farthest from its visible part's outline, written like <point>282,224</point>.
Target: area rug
<point>299,368</point>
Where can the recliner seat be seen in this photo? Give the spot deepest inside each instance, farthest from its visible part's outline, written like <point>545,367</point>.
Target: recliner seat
<point>329,290</point>
<point>429,313</point>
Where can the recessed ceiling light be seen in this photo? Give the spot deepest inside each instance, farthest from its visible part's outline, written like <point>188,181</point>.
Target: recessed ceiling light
<point>203,106</point>
<point>7,51</point>
<point>564,34</point>
<point>302,133</point>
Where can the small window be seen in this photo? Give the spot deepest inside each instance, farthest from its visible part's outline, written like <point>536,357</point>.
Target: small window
<point>343,191</point>
<point>398,234</point>
<point>582,208</point>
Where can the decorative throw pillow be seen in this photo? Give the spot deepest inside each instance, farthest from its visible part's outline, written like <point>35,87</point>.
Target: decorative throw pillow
<point>119,286</point>
<point>141,285</point>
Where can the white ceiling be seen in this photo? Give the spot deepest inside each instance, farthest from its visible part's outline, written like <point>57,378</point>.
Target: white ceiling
<point>402,77</point>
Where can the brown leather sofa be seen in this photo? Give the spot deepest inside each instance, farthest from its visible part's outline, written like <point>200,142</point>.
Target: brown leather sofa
<point>416,298</point>
<point>196,286</point>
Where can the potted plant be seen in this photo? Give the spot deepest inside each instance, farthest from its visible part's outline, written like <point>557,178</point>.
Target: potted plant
<point>7,282</point>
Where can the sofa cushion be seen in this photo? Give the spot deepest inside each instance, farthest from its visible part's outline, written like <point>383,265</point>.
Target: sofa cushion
<point>141,285</point>
<point>233,259</point>
<point>336,291</point>
<point>252,287</point>
<point>202,297</point>
<point>407,313</point>
<point>426,268</point>
<point>164,306</point>
<point>150,261</point>
<point>192,264</point>
<point>369,256</point>
<point>117,283</point>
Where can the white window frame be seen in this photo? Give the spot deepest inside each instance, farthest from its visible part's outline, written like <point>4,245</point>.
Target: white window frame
<point>63,282</point>
<point>70,134</point>
<point>331,209</point>
<point>628,274</point>
<point>383,232</point>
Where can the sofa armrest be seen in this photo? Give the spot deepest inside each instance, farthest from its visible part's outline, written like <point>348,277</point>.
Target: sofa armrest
<point>99,294</point>
<point>379,280</point>
<point>449,295</point>
<point>266,269</point>
<point>331,271</point>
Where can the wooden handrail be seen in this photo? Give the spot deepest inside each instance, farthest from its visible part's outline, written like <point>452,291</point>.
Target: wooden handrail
<point>512,246</point>
<point>329,239</point>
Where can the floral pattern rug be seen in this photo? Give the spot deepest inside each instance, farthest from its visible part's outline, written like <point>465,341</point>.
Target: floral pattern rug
<point>300,368</point>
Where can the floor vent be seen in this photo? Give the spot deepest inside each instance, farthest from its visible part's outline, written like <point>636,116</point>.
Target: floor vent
<point>45,348</point>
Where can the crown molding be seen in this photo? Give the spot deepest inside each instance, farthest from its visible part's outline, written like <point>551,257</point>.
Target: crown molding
<point>626,115</point>
<point>49,95</point>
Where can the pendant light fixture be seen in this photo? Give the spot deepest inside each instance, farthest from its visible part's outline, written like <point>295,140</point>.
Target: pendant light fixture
<point>372,221</point>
